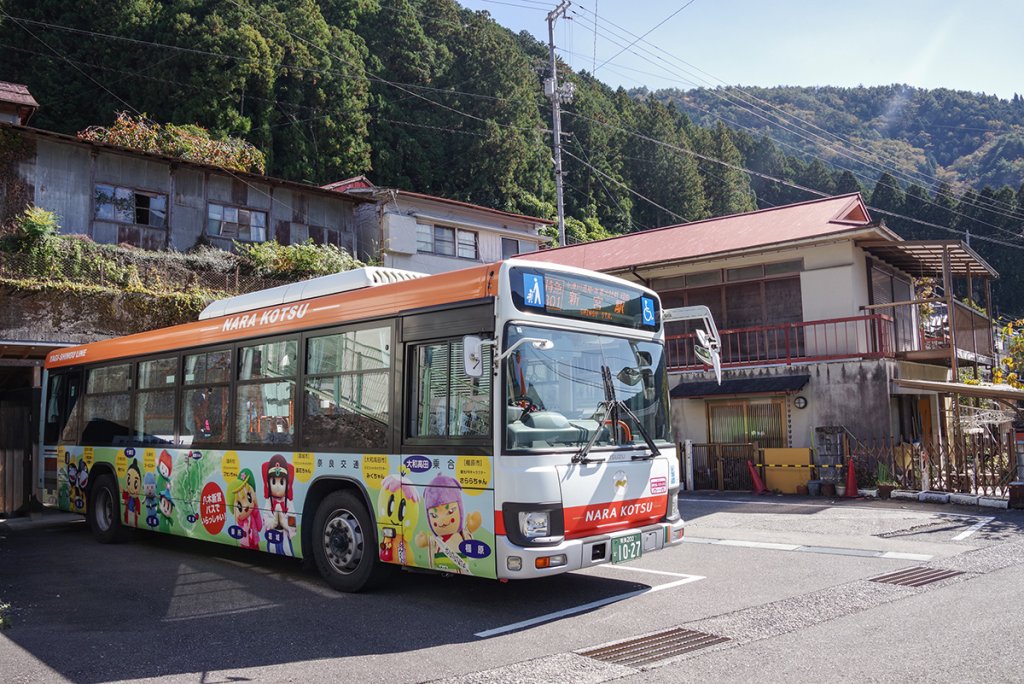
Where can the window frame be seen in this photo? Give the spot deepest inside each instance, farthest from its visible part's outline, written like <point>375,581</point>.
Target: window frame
<point>135,192</point>
<point>457,234</point>
<point>395,398</point>
<point>86,394</point>
<point>474,445</point>
<point>183,387</point>
<point>237,208</point>
<point>136,362</point>
<point>237,383</point>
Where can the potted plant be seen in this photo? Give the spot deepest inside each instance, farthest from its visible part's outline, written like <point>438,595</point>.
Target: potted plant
<point>884,481</point>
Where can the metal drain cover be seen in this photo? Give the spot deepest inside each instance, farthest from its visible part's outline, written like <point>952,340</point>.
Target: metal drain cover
<point>654,647</point>
<point>915,577</point>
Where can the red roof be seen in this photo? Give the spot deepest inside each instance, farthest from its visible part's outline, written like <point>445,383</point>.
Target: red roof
<point>792,222</point>
<point>16,93</point>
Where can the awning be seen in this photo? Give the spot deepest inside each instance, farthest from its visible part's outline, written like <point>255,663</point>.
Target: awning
<point>1003,392</point>
<point>764,385</point>
<point>923,258</point>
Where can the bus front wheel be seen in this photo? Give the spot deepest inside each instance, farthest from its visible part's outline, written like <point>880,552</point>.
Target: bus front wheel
<point>344,544</point>
<point>104,512</point>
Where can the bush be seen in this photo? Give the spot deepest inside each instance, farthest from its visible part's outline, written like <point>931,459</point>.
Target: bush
<point>36,225</point>
<point>305,260</point>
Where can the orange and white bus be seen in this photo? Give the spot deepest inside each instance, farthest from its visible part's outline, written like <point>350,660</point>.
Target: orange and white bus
<point>509,421</point>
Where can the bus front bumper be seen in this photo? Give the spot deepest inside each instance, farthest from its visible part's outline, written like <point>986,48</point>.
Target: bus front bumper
<point>543,561</point>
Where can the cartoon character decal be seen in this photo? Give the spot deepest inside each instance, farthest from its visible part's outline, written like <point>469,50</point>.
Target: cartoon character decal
<point>166,510</point>
<point>165,465</point>
<point>278,478</point>
<point>151,500</point>
<point>242,501</point>
<point>82,479</point>
<point>449,525</point>
<point>130,495</point>
<point>398,511</point>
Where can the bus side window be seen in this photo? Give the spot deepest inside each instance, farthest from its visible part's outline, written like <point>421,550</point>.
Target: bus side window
<point>265,393</point>
<point>447,403</point>
<point>107,400</point>
<point>347,391</point>
<point>205,398</point>
<point>61,419</point>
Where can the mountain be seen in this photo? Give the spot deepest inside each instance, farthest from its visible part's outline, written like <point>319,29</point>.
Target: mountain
<point>965,139</point>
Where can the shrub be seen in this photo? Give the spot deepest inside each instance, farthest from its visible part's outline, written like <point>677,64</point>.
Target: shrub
<point>304,260</point>
<point>36,224</point>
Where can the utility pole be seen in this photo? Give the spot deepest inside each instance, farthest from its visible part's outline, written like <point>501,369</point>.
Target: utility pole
<point>557,94</point>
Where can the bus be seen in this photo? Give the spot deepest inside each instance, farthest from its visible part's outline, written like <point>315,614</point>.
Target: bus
<point>508,421</point>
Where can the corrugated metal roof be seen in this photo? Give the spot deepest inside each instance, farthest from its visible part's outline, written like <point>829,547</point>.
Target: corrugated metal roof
<point>925,257</point>
<point>793,222</point>
<point>17,94</point>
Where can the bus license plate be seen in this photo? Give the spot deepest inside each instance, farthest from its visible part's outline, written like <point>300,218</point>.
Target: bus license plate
<point>627,548</point>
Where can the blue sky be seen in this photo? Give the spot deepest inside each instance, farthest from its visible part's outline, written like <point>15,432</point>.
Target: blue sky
<point>974,46</point>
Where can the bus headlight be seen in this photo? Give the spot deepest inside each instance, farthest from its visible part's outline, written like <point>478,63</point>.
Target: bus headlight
<point>534,524</point>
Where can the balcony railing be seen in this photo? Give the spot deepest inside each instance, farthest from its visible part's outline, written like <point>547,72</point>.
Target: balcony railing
<point>899,331</point>
<point>856,337</point>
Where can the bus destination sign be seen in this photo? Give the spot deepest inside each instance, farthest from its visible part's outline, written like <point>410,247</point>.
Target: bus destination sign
<point>572,296</point>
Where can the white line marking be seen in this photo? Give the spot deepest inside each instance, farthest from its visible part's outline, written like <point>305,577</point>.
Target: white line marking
<point>645,571</point>
<point>973,528</point>
<point>868,553</point>
<point>585,607</point>
<point>684,501</point>
<point>759,545</point>
<point>896,555</point>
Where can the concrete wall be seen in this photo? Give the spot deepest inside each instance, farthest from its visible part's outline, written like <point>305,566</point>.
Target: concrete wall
<point>854,394</point>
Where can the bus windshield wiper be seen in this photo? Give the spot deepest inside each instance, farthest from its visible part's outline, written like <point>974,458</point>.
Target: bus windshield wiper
<point>614,407</point>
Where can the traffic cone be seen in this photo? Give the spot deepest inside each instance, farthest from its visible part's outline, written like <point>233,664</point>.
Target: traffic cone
<point>851,479</point>
<point>759,487</point>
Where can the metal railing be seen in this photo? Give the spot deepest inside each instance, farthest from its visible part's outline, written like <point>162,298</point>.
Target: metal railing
<point>860,337</point>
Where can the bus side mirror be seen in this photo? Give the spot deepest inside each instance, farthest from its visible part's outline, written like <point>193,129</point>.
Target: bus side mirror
<point>472,356</point>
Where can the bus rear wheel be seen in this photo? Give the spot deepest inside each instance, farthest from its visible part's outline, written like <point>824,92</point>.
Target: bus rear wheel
<point>104,512</point>
<point>344,544</point>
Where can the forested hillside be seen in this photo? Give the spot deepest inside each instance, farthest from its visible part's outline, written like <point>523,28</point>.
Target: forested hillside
<point>427,96</point>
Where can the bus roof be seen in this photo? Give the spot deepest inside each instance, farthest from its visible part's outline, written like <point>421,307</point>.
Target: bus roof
<point>386,300</point>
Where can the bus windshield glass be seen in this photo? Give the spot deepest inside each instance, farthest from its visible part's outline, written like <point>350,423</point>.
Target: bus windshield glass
<point>559,395</point>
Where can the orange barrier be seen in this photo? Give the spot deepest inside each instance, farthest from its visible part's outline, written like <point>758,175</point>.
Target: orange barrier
<point>851,480</point>
<point>759,487</point>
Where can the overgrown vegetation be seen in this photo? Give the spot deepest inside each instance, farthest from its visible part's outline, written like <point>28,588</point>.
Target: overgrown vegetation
<point>189,142</point>
<point>294,262</point>
<point>5,618</point>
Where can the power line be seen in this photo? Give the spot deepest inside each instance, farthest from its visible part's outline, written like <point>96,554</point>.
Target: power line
<point>727,96</point>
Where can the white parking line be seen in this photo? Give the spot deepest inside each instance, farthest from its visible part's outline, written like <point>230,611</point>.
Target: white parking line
<point>684,501</point>
<point>973,528</point>
<point>548,617</point>
<point>833,550</point>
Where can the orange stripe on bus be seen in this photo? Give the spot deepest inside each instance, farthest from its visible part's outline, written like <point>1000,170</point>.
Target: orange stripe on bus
<point>374,302</point>
<point>499,523</point>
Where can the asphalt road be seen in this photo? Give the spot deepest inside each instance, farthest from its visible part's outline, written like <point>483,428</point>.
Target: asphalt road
<point>784,581</point>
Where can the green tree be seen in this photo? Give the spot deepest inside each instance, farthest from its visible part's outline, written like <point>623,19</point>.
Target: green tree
<point>727,187</point>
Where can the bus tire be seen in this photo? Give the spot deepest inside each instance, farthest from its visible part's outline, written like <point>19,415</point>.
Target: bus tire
<point>103,511</point>
<point>345,544</point>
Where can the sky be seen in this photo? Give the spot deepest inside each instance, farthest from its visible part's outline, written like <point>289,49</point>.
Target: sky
<point>973,46</point>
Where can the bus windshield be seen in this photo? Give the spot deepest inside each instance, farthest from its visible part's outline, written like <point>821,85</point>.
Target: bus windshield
<point>557,395</point>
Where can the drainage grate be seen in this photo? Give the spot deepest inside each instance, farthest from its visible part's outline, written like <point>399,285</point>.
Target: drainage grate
<point>915,577</point>
<point>648,649</point>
